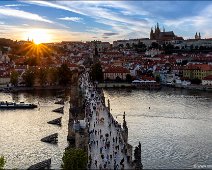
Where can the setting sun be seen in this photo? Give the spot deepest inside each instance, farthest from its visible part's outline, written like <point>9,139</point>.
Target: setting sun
<point>38,36</point>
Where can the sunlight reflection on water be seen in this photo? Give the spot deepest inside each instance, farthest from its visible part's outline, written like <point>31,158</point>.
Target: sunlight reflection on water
<point>21,131</point>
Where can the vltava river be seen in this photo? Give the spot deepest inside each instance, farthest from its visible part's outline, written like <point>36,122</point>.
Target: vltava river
<point>174,133</point>
<point>21,130</point>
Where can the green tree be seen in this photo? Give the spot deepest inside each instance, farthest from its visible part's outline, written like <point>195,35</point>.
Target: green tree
<point>64,74</point>
<point>42,76</point>
<point>74,159</point>
<point>2,162</point>
<point>155,45</point>
<point>96,73</point>
<point>53,76</point>
<point>184,62</point>
<point>141,47</point>
<point>157,79</point>
<point>128,46</point>
<point>118,79</point>
<point>168,48</point>
<point>128,78</point>
<point>121,46</point>
<point>29,77</point>
<point>196,81</point>
<point>32,61</point>
<point>14,78</point>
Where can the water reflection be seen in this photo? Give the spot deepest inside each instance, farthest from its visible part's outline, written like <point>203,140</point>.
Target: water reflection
<point>175,132</point>
<point>21,130</point>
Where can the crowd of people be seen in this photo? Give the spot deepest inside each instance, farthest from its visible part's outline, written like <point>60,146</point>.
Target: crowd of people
<point>106,147</point>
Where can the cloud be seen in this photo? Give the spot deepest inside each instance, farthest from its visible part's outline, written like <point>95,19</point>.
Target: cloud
<point>54,5</point>
<point>110,33</point>
<point>109,13</point>
<point>74,19</point>
<point>199,23</point>
<point>134,23</point>
<point>133,19</point>
<point>15,5</point>
<point>22,14</point>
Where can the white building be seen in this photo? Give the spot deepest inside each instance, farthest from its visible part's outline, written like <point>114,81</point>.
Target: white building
<point>207,80</point>
<point>153,52</point>
<point>4,58</point>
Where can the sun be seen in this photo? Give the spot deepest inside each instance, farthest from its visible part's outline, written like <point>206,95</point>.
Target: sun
<point>38,36</point>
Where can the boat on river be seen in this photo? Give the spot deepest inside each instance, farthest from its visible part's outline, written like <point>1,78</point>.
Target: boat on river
<point>13,105</point>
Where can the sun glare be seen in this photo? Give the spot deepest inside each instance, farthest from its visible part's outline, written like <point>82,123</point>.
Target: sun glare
<point>38,36</point>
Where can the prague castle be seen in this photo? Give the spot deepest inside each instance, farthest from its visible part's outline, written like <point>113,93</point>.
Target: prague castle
<point>163,35</point>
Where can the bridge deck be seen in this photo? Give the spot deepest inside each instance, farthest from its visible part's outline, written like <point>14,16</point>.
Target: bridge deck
<point>106,145</point>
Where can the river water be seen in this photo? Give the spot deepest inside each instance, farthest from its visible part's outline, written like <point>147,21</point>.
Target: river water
<point>21,130</point>
<point>175,132</point>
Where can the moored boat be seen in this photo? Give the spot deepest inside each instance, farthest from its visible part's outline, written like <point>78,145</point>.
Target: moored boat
<point>13,105</point>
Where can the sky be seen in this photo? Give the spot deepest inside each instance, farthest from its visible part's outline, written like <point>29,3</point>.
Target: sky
<point>102,20</point>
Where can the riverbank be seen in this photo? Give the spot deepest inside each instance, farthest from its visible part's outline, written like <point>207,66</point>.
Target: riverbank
<point>195,87</point>
<point>128,85</point>
<point>113,85</point>
<point>105,85</point>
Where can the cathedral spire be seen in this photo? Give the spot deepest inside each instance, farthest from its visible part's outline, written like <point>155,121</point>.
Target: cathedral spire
<point>196,36</point>
<point>96,53</point>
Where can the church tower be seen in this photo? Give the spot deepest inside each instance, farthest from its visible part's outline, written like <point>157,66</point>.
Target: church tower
<point>96,54</point>
<point>157,32</point>
<point>199,36</point>
<point>196,36</point>
<point>151,34</point>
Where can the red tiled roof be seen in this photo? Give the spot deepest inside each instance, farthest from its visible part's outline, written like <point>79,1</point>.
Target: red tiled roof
<point>117,69</point>
<point>147,78</point>
<point>204,67</point>
<point>207,77</point>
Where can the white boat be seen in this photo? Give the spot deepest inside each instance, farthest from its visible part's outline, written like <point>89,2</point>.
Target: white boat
<point>13,105</point>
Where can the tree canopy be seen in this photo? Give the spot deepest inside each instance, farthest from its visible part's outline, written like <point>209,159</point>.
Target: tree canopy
<point>14,78</point>
<point>96,73</point>
<point>42,75</point>
<point>29,77</point>
<point>196,81</point>
<point>75,159</point>
<point>128,78</point>
<point>2,162</point>
<point>53,76</point>
<point>64,74</point>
